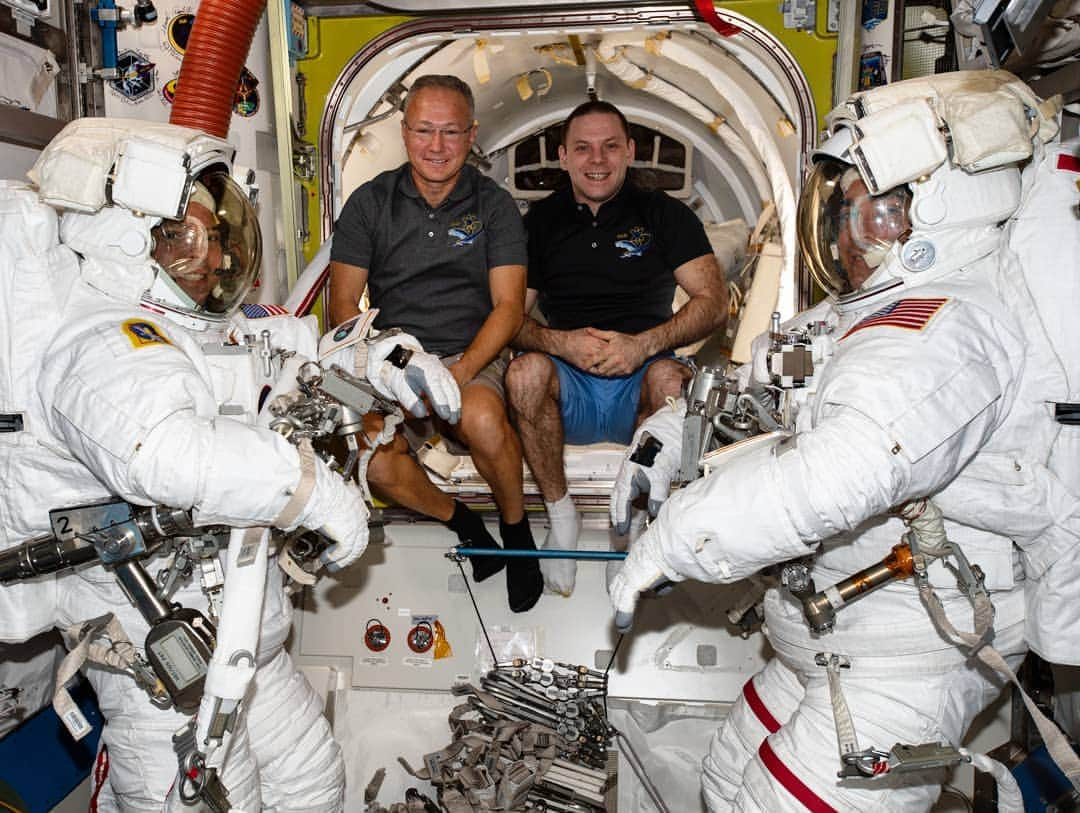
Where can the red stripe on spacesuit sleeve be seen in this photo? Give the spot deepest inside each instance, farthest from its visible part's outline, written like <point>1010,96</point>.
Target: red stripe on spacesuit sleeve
<point>792,784</point>
<point>1068,162</point>
<point>753,699</point>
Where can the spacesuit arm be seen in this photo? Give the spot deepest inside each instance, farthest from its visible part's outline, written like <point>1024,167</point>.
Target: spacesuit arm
<point>773,503</point>
<point>876,442</point>
<point>142,421</point>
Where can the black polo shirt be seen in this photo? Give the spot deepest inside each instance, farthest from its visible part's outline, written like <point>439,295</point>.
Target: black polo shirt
<point>613,271</point>
<point>428,268</point>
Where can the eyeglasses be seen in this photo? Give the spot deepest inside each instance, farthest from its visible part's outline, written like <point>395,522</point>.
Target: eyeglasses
<point>428,133</point>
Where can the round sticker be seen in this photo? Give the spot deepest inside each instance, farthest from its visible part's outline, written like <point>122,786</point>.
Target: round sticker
<point>376,636</point>
<point>421,637</point>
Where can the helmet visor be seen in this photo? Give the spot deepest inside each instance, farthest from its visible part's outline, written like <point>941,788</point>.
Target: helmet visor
<point>212,255</point>
<point>844,231</point>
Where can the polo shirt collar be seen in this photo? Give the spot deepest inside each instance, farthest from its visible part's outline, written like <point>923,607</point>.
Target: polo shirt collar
<point>465,186</point>
<point>609,208</point>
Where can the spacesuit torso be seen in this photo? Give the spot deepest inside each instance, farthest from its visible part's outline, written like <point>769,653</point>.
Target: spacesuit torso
<point>94,376</point>
<point>33,470</point>
<point>91,369</point>
<point>142,384</point>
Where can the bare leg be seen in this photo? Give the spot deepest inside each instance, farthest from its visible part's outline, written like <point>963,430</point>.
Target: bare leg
<point>532,388</point>
<point>532,385</point>
<point>393,472</point>
<point>664,379</point>
<point>494,446</point>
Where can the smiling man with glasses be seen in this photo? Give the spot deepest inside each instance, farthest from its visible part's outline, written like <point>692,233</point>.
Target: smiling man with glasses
<point>441,250</point>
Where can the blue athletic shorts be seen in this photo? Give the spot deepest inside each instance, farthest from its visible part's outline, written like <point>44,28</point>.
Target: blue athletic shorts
<point>595,408</point>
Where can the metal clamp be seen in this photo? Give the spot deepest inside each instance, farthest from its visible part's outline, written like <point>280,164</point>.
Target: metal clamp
<point>900,758</point>
<point>199,783</point>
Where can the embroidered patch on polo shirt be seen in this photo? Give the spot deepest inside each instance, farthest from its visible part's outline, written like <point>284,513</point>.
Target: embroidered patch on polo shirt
<point>465,231</point>
<point>142,333</point>
<point>633,242</point>
<point>907,314</point>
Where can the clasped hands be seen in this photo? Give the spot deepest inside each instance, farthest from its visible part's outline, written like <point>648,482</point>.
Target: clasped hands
<point>605,352</point>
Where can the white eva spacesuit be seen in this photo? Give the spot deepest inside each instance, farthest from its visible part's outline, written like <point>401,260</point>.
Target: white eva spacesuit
<point>127,372</point>
<point>938,387</point>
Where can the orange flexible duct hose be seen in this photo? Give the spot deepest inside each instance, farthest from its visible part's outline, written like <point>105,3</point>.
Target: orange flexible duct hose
<point>216,50</point>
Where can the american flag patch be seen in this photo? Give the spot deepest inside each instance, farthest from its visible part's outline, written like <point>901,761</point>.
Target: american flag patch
<point>909,314</point>
<point>259,311</point>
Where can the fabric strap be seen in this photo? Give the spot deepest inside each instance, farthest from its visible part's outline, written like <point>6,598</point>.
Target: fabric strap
<point>83,641</point>
<point>299,500</point>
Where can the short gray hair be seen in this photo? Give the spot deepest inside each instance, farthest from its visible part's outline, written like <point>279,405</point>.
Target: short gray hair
<point>445,82</point>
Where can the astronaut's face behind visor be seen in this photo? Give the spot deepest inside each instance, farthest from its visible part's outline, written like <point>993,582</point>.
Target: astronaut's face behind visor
<point>844,231</point>
<point>211,256</point>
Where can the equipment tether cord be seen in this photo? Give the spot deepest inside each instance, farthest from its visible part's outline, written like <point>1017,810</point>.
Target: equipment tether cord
<point>614,652</point>
<point>480,618</point>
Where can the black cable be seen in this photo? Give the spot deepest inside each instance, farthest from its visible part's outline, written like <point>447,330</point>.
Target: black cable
<point>614,652</point>
<point>480,618</point>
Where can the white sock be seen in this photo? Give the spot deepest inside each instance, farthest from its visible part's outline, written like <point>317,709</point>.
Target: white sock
<point>565,525</point>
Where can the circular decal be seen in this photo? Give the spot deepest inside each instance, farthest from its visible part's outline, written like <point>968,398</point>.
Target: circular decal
<point>168,91</point>
<point>421,637</point>
<point>177,31</point>
<point>376,636</point>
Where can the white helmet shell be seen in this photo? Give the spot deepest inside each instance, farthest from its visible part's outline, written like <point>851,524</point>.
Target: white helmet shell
<point>918,135</point>
<point>128,188</point>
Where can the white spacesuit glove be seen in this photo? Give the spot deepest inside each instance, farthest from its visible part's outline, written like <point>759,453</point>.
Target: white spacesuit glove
<point>718,529</point>
<point>337,510</point>
<point>399,369</point>
<point>643,568</point>
<point>646,469</point>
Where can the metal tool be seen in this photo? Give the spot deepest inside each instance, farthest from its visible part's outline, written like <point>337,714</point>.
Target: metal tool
<point>820,607</point>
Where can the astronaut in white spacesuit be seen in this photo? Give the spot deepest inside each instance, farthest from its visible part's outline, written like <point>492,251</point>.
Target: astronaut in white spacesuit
<point>137,378</point>
<point>937,387</point>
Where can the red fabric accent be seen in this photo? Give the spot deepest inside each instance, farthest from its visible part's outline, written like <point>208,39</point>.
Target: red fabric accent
<point>753,699</point>
<point>792,784</point>
<point>1068,162</point>
<point>707,11</point>
<point>101,773</point>
<point>304,308</point>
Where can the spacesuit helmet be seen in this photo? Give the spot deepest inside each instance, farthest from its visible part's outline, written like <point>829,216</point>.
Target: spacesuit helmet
<point>156,213</point>
<point>917,178</point>
<point>845,230</point>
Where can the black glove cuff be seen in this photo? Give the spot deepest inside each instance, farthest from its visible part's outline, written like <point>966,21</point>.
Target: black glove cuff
<point>400,356</point>
<point>647,450</point>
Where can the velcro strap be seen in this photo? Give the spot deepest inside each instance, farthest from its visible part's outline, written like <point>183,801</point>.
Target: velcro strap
<point>80,638</point>
<point>228,681</point>
<point>846,738</point>
<point>1056,743</point>
<point>360,360</point>
<point>299,500</point>
<point>293,570</point>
